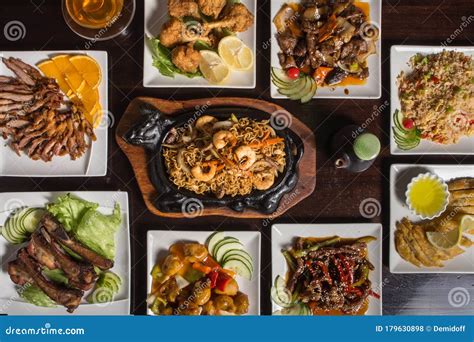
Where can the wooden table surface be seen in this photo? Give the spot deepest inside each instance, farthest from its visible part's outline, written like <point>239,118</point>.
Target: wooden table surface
<point>338,193</point>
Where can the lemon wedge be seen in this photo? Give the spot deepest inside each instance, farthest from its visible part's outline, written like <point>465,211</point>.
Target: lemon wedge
<point>235,53</point>
<point>212,67</point>
<point>88,68</point>
<point>467,224</point>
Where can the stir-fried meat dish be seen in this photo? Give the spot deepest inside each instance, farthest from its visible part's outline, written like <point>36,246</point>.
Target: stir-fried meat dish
<point>202,20</point>
<point>330,275</point>
<point>328,39</point>
<point>190,282</point>
<point>30,116</point>
<point>45,251</point>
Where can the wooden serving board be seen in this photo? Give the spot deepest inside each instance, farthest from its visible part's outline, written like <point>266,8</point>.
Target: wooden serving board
<point>138,157</point>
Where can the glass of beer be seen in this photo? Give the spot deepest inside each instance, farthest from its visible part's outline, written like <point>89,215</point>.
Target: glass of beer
<point>98,19</point>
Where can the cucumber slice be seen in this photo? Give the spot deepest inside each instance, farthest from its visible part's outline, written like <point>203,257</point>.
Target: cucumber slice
<point>220,243</point>
<point>298,94</point>
<point>238,267</point>
<point>111,281</point>
<point>213,240</point>
<point>241,258</point>
<point>296,89</point>
<point>284,302</point>
<point>314,86</point>
<point>281,85</point>
<point>280,75</point>
<point>225,247</point>
<point>238,252</point>
<point>30,220</point>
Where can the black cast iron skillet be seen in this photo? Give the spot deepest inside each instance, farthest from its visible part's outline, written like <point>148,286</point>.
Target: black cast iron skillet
<point>152,131</point>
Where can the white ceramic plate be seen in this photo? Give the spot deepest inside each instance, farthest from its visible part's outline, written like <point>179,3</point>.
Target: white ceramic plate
<point>284,234</point>
<point>156,14</point>
<point>370,90</point>
<point>159,241</point>
<point>12,304</point>
<point>400,176</point>
<point>92,164</point>
<point>399,58</point>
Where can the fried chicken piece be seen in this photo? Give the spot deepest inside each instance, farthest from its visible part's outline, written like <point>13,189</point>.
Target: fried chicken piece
<point>183,8</point>
<point>175,32</point>
<point>212,8</point>
<point>238,19</point>
<point>186,58</point>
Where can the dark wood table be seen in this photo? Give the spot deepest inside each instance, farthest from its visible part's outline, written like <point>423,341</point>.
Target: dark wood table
<point>338,193</point>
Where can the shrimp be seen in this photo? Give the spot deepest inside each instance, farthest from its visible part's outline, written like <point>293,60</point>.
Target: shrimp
<point>222,138</point>
<point>203,121</point>
<point>246,157</point>
<point>205,172</point>
<point>263,180</point>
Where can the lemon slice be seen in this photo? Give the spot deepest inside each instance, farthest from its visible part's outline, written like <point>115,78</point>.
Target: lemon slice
<point>467,224</point>
<point>88,68</point>
<point>235,53</point>
<point>445,240</point>
<point>212,67</point>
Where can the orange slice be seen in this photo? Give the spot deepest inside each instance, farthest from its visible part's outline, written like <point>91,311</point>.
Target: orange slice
<point>50,69</point>
<point>88,68</point>
<point>71,75</point>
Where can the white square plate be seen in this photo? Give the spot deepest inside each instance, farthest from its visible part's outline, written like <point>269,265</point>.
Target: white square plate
<point>284,234</point>
<point>400,176</point>
<point>159,241</point>
<point>12,304</point>
<point>92,164</point>
<point>399,57</point>
<point>370,90</point>
<point>156,14</point>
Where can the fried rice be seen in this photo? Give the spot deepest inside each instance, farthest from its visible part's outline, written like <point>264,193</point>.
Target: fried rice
<point>438,95</point>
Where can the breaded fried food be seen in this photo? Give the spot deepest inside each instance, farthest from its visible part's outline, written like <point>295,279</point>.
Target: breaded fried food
<point>183,8</point>
<point>212,8</point>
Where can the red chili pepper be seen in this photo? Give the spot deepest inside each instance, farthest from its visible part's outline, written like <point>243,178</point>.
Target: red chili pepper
<point>325,270</point>
<point>342,276</point>
<point>374,294</point>
<point>355,290</point>
<point>348,269</point>
<point>213,278</point>
<point>435,79</point>
<point>222,281</point>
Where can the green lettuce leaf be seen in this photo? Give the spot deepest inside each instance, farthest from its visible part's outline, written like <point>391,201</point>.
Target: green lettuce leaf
<point>97,231</point>
<point>34,295</point>
<point>162,60</point>
<point>69,210</point>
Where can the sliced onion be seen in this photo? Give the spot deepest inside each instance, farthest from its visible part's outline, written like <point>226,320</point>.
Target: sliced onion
<point>222,125</point>
<point>181,162</point>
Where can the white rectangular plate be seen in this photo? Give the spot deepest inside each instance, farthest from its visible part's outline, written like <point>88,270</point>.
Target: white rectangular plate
<point>156,14</point>
<point>284,234</point>
<point>370,90</point>
<point>399,58</point>
<point>400,176</point>
<point>159,241</point>
<point>12,304</point>
<point>93,163</point>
